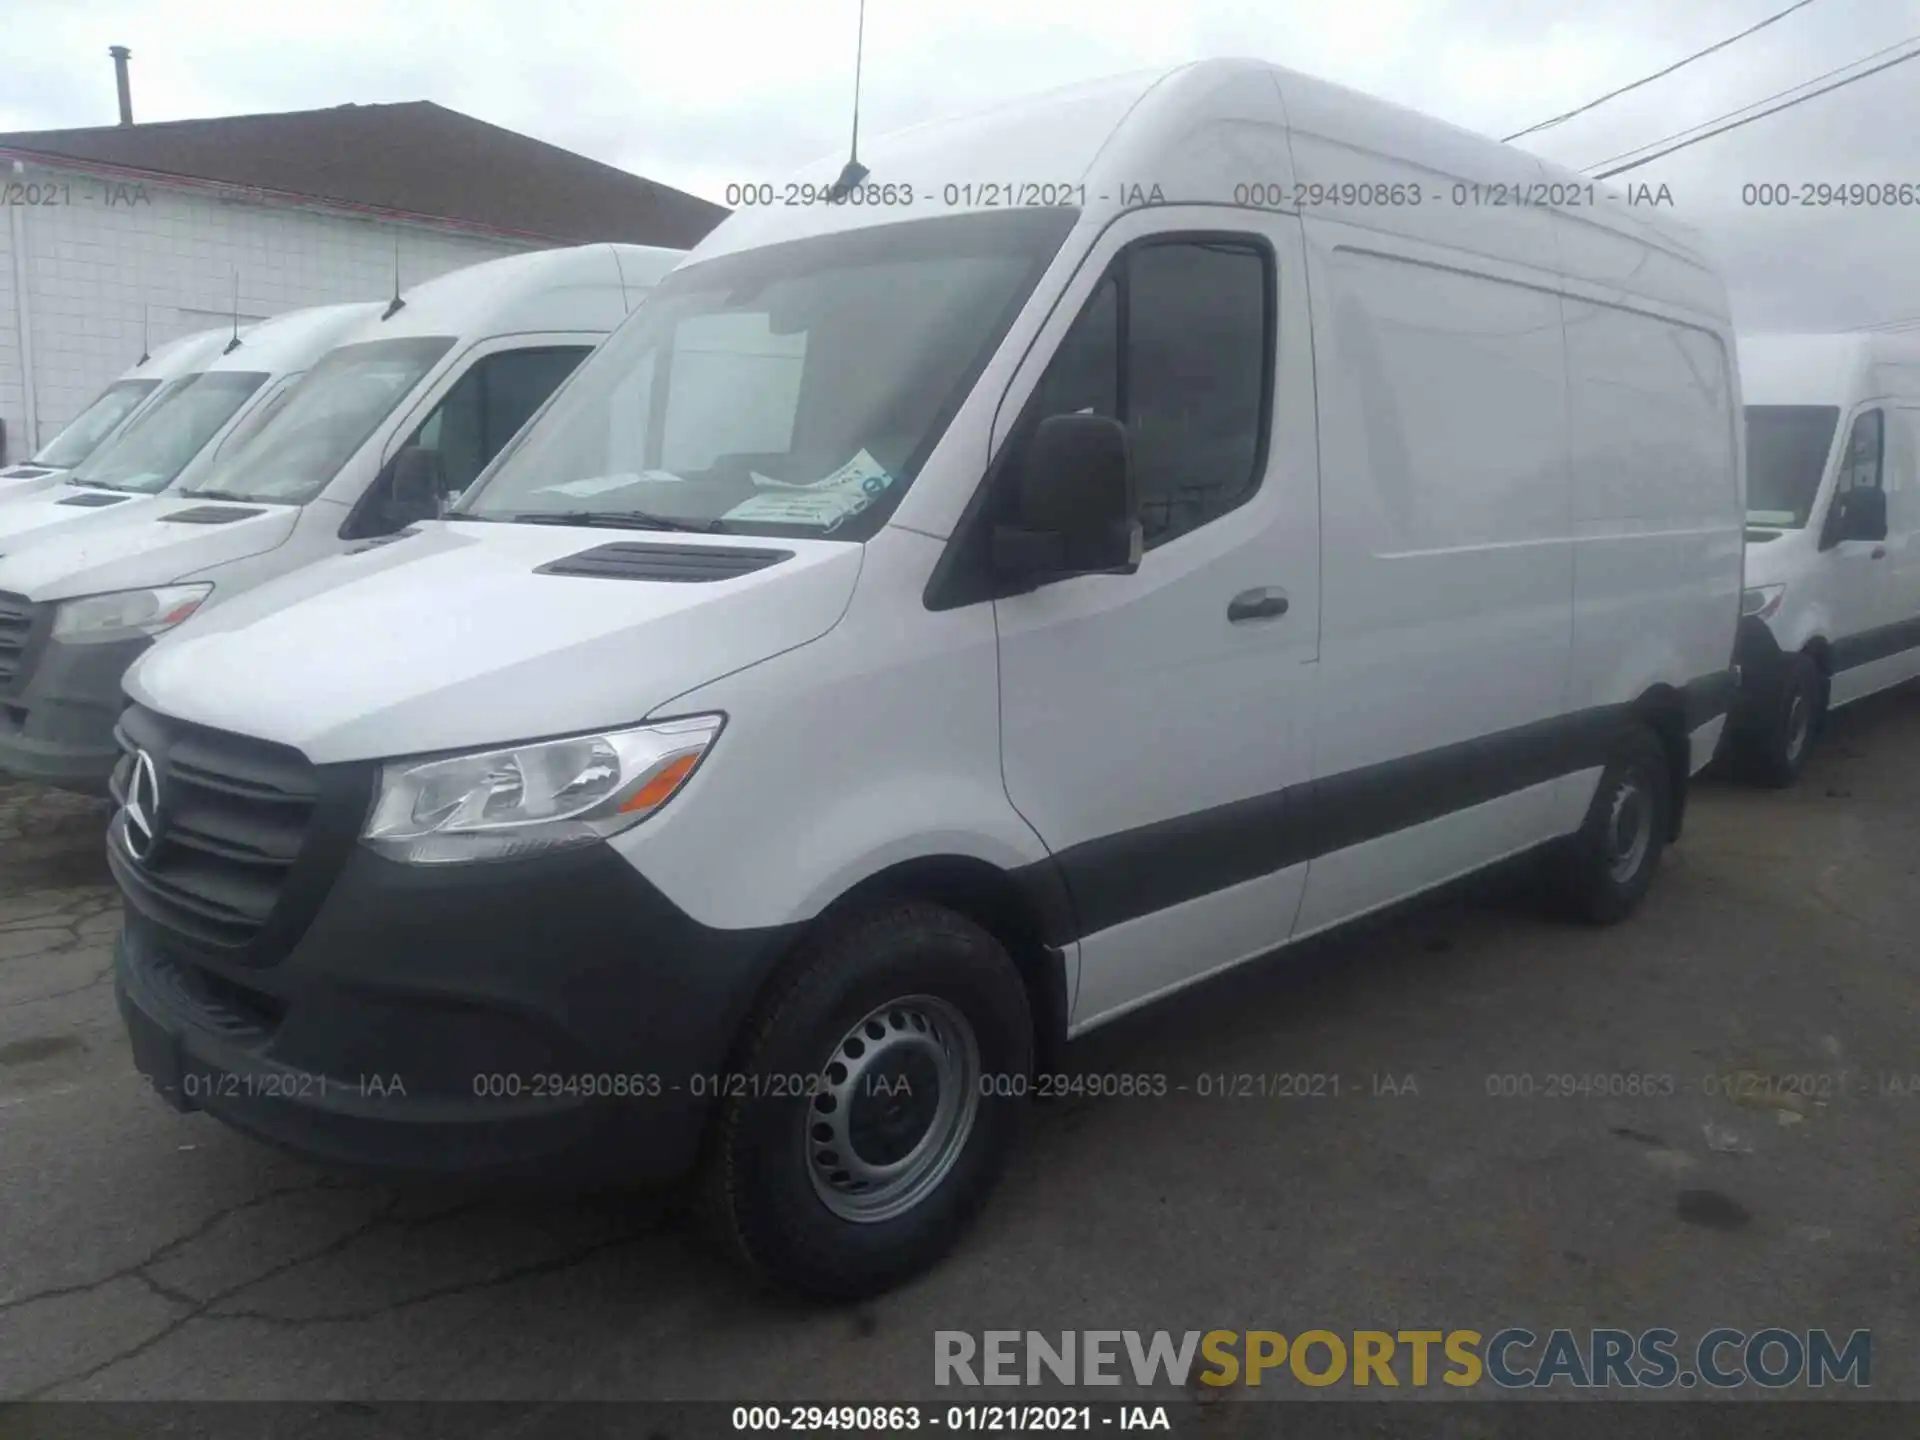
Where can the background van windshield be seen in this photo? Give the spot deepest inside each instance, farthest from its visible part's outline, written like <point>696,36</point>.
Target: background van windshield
<point>795,389</point>
<point>325,418</point>
<point>1787,449</point>
<point>86,430</point>
<point>151,452</point>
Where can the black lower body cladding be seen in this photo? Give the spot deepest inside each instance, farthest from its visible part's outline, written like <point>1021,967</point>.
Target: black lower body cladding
<point>57,719</point>
<point>553,1016</point>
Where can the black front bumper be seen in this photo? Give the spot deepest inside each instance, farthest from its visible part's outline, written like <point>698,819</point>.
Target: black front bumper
<point>57,713</point>
<point>555,1016</point>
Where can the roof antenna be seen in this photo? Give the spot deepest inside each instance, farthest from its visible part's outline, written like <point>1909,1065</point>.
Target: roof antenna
<point>395,305</point>
<point>146,316</point>
<point>234,343</point>
<point>854,172</point>
<point>623,277</point>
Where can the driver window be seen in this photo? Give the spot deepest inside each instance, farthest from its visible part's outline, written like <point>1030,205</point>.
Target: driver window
<point>474,420</point>
<point>1865,451</point>
<point>487,406</point>
<point>1862,468</point>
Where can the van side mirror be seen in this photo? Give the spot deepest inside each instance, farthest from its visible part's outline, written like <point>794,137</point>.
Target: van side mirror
<point>1077,509</point>
<point>418,486</point>
<point>1862,514</point>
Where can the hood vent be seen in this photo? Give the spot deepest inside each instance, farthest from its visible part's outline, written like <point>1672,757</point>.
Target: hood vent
<point>380,540</point>
<point>209,515</point>
<point>685,564</point>
<point>94,502</point>
<point>24,472</point>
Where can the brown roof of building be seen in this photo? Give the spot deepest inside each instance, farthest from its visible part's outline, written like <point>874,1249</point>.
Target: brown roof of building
<point>415,159</point>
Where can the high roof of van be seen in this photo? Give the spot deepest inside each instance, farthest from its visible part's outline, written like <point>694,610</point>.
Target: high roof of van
<point>294,340</point>
<point>1201,133</point>
<point>1841,368</point>
<point>580,287</point>
<point>184,355</point>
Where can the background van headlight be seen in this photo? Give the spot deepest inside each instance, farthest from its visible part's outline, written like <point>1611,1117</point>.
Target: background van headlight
<point>524,799</point>
<point>1762,601</point>
<point>126,614</point>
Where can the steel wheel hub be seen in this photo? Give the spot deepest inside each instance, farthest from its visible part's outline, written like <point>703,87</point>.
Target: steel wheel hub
<point>896,1104</point>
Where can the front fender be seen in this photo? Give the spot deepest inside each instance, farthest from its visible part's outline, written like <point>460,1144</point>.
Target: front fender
<point>1800,627</point>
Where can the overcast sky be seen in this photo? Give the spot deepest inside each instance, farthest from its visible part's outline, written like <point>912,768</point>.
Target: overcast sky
<point>700,94</point>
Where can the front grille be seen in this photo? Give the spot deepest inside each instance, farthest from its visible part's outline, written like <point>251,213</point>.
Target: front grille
<point>17,614</point>
<point>233,816</point>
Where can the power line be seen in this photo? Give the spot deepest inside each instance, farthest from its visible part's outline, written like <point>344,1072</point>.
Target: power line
<point>1736,124</point>
<point>1753,104</point>
<point>1659,74</point>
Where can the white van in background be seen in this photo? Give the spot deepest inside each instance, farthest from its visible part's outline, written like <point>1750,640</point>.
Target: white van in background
<point>110,410</point>
<point>1832,607</point>
<point>930,630</point>
<point>404,410</point>
<point>195,419</point>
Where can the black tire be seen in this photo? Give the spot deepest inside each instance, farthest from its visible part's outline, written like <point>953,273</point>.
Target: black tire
<point>1599,876</point>
<point>1780,739</point>
<point>760,1192</point>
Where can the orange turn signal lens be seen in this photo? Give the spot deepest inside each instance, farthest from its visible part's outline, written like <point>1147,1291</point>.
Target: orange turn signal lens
<point>657,790</point>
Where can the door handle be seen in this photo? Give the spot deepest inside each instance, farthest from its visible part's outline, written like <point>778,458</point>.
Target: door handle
<point>1879,553</point>
<point>1261,604</point>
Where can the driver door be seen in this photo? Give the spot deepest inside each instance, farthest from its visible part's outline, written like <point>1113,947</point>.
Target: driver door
<point>1861,577</point>
<point>1154,725</point>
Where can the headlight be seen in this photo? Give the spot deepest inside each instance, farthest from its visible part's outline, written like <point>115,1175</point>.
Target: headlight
<point>1762,601</point>
<point>126,614</point>
<point>524,799</point>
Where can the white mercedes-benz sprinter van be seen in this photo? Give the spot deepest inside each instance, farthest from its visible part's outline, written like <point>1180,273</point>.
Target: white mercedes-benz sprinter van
<point>110,410</point>
<point>1832,607</point>
<point>405,409</point>
<point>936,625</point>
<point>196,418</point>
<point>60,665</point>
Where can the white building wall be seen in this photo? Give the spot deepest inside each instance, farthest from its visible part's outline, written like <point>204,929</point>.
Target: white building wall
<point>105,248</point>
<point>12,395</point>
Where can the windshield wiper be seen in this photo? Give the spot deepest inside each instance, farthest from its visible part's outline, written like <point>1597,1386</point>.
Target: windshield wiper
<point>227,495</point>
<point>100,485</point>
<point>616,520</point>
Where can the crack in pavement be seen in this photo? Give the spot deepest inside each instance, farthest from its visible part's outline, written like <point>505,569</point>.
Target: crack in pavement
<point>106,973</point>
<point>69,917</point>
<point>170,1247</point>
<point>553,1265</point>
<point>198,1308</point>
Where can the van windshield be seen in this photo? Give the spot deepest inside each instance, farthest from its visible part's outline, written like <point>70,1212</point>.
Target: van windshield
<point>1787,449</point>
<point>151,452</point>
<point>86,430</point>
<point>794,389</point>
<point>323,420</point>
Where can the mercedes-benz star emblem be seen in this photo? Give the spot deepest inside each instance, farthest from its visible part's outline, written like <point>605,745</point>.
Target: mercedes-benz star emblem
<point>142,807</point>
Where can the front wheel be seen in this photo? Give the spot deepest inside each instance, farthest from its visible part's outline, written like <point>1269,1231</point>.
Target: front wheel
<point>1604,870</point>
<point>872,1107</point>
<point>1776,750</point>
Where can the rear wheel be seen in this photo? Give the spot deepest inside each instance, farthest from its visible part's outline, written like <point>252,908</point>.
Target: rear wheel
<point>1781,740</point>
<point>876,1097</point>
<point>1601,874</point>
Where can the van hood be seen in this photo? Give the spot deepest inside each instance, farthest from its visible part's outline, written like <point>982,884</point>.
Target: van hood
<point>452,638</point>
<point>27,479</point>
<point>33,517</point>
<point>140,544</point>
